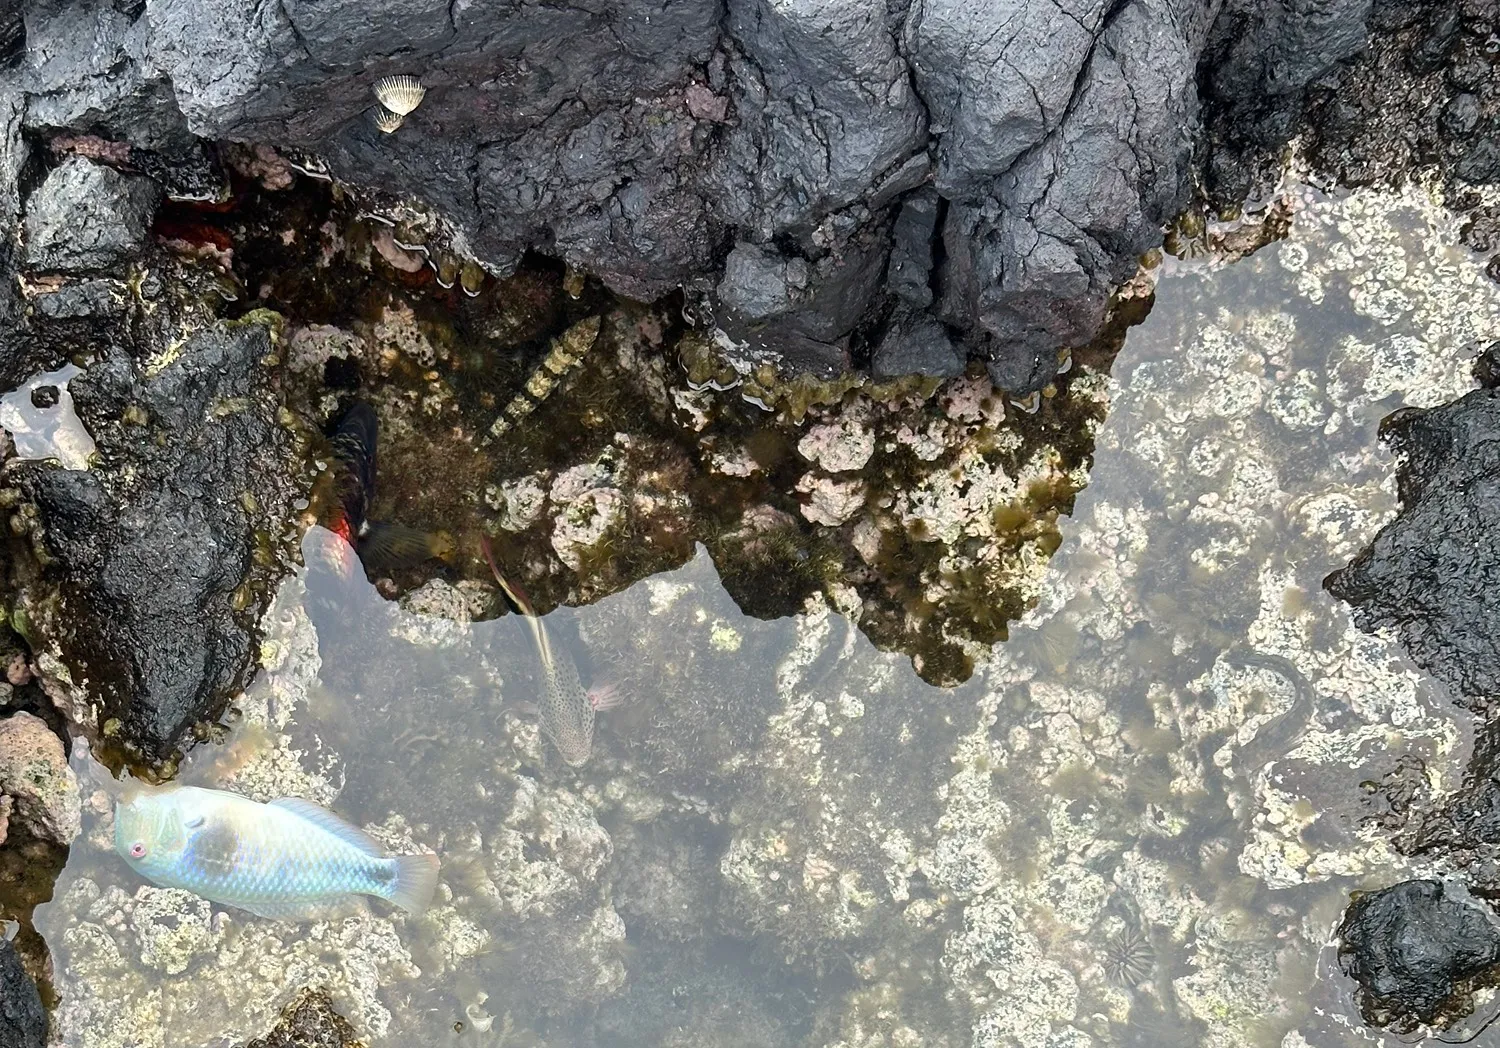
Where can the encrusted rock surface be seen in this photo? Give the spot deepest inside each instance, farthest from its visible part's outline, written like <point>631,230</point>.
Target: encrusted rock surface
<point>36,779</point>
<point>309,1022</point>
<point>148,603</point>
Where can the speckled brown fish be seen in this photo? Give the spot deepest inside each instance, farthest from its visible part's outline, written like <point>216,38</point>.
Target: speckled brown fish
<point>564,709</point>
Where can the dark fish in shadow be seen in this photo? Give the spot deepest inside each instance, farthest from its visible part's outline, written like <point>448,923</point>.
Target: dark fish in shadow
<point>382,546</point>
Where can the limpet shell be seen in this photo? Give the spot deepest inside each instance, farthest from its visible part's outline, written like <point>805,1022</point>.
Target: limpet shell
<point>387,121</point>
<point>1030,403</point>
<point>400,94</point>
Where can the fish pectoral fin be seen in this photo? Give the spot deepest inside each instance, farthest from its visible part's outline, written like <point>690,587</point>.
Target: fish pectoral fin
<point>387,546</point>
<point>302,910</point>
<point>329,822</point>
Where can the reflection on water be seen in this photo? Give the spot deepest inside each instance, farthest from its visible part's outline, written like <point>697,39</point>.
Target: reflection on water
<point>1135,826</point>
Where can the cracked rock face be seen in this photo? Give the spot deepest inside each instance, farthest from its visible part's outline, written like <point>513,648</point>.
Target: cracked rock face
<point>86,216</point>
<point>1018,156</point>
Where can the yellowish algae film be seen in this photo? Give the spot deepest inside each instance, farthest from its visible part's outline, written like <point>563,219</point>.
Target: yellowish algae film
<point>1135,825</point>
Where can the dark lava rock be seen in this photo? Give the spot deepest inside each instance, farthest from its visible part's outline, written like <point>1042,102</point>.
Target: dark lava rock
<point>909,272</point>
<point>23,1024</point>
<point>1433,574</point>
<point>45,397</point>
<point>153,545</point>
<point>644,142</point>
<point>310,1021</point>
<point>1020,371</point>
<point>86,216</point>
<point>1376,89</point>
<point>1411,946</point>
<point>1481,163</point>
<point>916,344</point>
<point>1487,365</point>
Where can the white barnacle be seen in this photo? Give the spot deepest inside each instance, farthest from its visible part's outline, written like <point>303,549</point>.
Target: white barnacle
<point>400,94</point>
<point>387,121</point>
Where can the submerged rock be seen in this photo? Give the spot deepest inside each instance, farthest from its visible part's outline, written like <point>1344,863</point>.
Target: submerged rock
<point>23,1024</point>
<point>1410,947</point>
<point>154,547</point>
<point>1433,574</point>
<point>309,1022</point>
<point>36,779</point>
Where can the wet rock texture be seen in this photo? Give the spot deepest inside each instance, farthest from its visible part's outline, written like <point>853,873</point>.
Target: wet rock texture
<point>1411,946</point>
<point>150,554</point>
<point>821,172</point>
<point>1430,576</point>
<point>87,216</point>
<point>1377,90</point>
<point>23,1024</point>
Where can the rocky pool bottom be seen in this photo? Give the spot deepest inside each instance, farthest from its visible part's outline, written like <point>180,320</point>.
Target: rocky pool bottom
<point>1139,820</point>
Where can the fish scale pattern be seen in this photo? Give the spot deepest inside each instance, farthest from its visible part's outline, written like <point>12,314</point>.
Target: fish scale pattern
<point>260,864</point>
<point>567,715</point>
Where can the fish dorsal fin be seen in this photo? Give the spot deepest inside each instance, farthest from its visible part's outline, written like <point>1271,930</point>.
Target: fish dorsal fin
<point>330,823</point>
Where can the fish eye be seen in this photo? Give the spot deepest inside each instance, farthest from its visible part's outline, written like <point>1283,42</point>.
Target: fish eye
<point>138,850</point>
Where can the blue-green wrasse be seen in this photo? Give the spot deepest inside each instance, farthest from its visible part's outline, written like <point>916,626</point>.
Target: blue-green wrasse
<point>289,859</point>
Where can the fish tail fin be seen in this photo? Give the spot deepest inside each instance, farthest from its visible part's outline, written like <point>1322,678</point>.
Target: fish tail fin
<point>416,881</point>
<point>512,590</point>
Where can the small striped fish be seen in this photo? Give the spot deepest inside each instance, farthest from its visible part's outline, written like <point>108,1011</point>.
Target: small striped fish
<point>287,860</point>
<point>568,349</point>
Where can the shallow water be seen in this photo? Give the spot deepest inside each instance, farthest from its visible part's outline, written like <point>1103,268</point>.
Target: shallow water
<point>1137,823</point>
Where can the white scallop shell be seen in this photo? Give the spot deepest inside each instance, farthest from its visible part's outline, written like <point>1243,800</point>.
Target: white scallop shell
<point>387,121</point>
<point>400,94</point>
